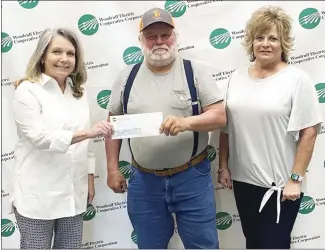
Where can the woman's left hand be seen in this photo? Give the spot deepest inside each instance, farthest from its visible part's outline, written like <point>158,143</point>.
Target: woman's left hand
<point>291,191</point>
<point>91,188</point>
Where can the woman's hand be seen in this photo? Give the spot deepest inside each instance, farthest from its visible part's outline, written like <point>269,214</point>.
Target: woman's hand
<point>224,178</point>
<point>291,191</point>
<point>102,128</point>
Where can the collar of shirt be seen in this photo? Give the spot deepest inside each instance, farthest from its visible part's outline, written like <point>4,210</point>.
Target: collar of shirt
<point>46,79</point>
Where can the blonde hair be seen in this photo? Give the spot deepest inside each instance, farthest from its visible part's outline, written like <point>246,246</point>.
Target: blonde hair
<point>35,67</point>
<point>262,21</point>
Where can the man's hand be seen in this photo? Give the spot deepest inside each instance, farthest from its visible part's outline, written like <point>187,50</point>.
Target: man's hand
<point>172,125</point>
<point>116,181</point>
<point>291,191</point>
<point>91,188</point>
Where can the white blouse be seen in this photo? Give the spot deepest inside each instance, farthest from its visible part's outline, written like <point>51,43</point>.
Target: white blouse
<point>50,176</point>
<point>265,117</point>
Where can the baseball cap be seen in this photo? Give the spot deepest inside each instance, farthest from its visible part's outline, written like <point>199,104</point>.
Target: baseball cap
<point>156,15</point>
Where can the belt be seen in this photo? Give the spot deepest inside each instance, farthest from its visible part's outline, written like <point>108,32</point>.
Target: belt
<point>171,171</point>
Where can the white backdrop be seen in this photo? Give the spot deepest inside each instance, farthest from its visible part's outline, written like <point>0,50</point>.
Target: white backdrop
<point>108,31</point>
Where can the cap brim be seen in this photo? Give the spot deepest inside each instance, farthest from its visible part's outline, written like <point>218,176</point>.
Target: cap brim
<point>157,22</point>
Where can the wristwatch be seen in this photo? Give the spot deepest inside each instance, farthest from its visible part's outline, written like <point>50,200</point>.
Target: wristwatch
<point>296,177</point>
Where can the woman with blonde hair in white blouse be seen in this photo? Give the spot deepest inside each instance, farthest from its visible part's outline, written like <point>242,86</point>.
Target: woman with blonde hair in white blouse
<point>273,119</point>
<point>53,177</point>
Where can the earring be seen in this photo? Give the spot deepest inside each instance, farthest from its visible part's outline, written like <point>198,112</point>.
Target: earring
<point>252,56</point>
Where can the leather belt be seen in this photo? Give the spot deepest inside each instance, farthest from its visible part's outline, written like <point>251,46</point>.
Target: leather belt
<point>171,171</point>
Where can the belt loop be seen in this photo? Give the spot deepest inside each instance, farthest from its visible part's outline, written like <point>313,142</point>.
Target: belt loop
<point>170,172</point>
<point>189,163</point>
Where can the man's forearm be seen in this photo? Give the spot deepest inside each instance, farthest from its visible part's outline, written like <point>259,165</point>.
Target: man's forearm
<point>112,148</point>
<point>304,153</point>
<point>208,121</point>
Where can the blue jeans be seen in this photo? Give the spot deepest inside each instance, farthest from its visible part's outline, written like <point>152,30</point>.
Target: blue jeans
<point>189,194</point>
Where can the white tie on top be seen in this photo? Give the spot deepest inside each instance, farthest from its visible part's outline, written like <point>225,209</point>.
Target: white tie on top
<point>267,196</point>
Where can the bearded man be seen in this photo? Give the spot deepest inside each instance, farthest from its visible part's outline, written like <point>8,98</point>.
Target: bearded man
<point>170,173</point>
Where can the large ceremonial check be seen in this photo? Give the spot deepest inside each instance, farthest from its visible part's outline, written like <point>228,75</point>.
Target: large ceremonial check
<point>136,125</point>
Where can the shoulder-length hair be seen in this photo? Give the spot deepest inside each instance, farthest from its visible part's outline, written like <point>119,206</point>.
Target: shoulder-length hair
<point>35,67</point>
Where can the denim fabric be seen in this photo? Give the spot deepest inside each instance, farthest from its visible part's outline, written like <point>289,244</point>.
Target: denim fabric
<point>189,195</point>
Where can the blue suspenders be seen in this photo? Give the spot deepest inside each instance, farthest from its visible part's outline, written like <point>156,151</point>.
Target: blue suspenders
<point>191,86</point>
<point>195,103</point>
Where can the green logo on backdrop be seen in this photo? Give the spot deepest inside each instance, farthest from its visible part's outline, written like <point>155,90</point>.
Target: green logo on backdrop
<point>224,220</point>
<point>309,18</point>
<point>6,42</point>
<point>175,8</point>
<point>211,153</point>
<point>28,4</point>
<point>134,237</point>
<point>90,213</point>
<point>220,38</point>
<point>7,228</point>
<point>132,55</point>
<point>103,98</point>
<point>320,88</point>
<point>125,168</point>
<point>88,25</point>
<point>307,205</point>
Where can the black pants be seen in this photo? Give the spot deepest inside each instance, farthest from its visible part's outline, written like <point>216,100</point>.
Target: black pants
<point>260,229</point>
